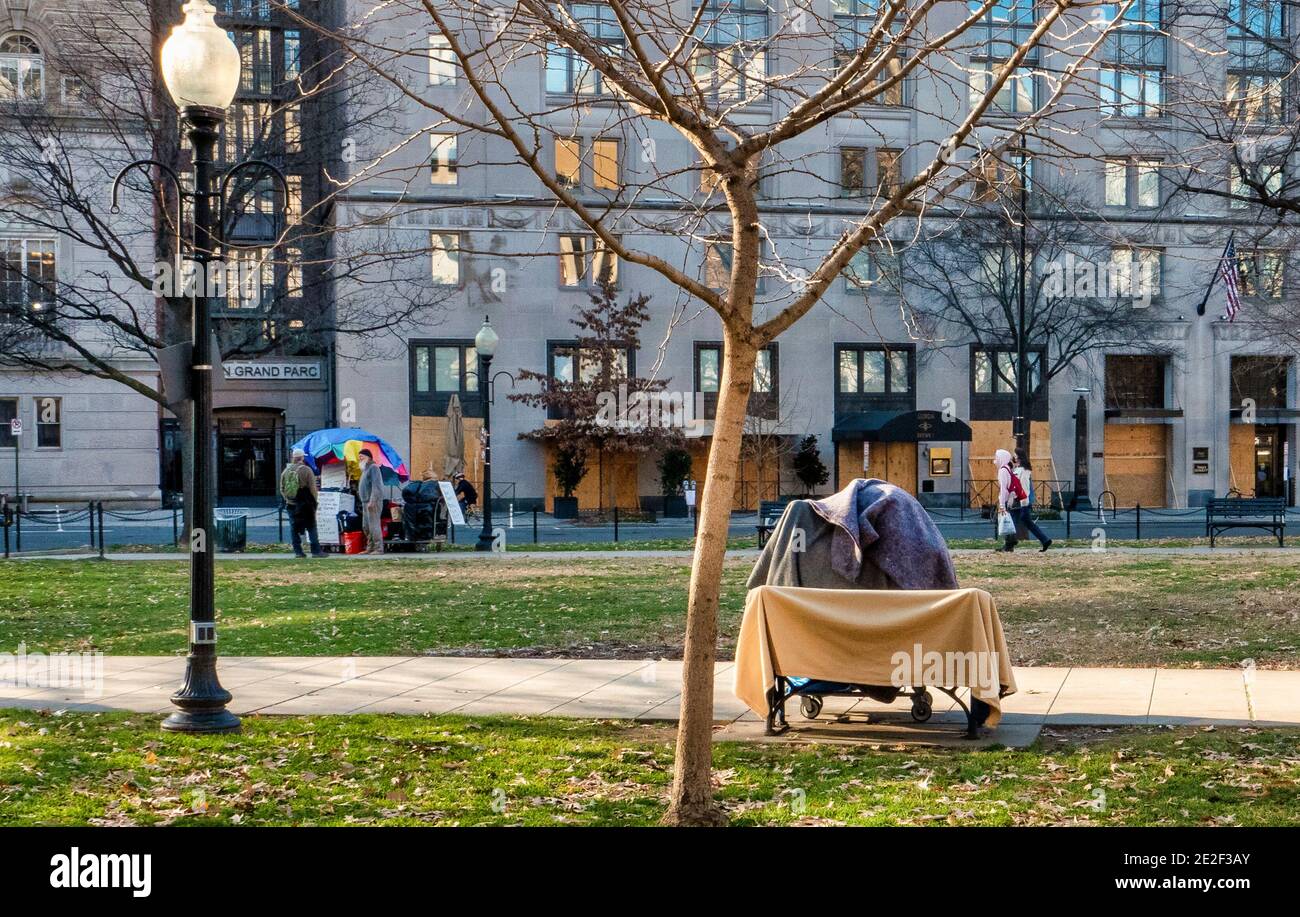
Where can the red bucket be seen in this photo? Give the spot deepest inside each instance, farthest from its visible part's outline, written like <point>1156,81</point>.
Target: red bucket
<point>353,542</point>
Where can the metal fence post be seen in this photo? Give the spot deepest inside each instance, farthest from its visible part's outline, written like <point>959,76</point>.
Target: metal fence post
<point>18,527</point>
<point>1139,522</point>
<point>1067,523</point>
<point>279,521</point>
<point>176,532</point>
<point>616,524</point>
<point>101,529</point>
<point>90,515</point>
<point>6,520</point>
<point>534,525</point>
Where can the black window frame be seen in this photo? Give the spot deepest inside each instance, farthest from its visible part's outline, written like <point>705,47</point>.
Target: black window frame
<point>849,403</point>
<point>1133,398</point>
<point>7,439</point>
<point>41,426</point>
<point>434,403</point>
<point>557,346</point>
<point>764,405</point>
<point>1001,405</point>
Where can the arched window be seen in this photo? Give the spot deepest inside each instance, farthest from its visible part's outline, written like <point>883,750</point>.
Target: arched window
<point>22,70</point>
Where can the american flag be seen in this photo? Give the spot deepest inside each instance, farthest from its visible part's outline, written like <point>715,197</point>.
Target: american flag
<point>1228,271</point>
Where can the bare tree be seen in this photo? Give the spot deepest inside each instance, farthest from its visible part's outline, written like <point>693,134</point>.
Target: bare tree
<point>749,88</point>
<point>1085,289</point>
<point>132,292</point>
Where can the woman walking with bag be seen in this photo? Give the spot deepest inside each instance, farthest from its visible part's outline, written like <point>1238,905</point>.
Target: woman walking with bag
<point>1007,500</point>
<point>1024,514</point>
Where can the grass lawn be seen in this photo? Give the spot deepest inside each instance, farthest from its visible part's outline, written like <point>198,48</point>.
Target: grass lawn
<point>119,769</point>
<point>1080,609</point>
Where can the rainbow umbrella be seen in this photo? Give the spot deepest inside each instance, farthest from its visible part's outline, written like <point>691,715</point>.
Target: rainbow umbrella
<point>344,444</point>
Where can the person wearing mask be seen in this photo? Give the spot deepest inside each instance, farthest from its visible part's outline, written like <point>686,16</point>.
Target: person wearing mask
<point>370,493</point>
<point>298,488</point>
<point>1024,514</point>
<point>1007,499</point>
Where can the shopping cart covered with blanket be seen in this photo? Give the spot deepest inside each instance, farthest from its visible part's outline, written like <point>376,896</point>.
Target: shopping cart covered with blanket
<point>856,596</point>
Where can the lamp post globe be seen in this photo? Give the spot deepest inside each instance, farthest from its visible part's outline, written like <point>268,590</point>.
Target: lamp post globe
<point>485,345</point>
<point>200,66</point>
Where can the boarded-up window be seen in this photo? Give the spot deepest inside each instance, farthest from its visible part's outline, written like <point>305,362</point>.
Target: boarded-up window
<point>1135,381</point>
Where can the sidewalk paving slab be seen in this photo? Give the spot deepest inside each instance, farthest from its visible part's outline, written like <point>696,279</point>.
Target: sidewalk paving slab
<point>1103,697</point>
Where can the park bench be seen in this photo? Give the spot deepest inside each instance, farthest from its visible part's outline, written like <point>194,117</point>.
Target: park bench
<point>769,514</point>
<point>1268,513</point>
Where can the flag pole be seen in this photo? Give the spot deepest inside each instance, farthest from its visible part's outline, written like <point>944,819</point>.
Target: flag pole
<point>1200,310</point>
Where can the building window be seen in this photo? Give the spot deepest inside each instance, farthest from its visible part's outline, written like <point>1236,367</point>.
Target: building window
<point>440,369</point>
<point>1258,62</point>
<point>586,262</point>
<point>443,168</point>
<point>853,171</point>
<point>1133,64</point>
<point>292,55</point>
<point>567,363</point>
<point>445,249</point>
<point>27,276</point>
<point>874,370</point>
<point>8,411</point>
<point>1003,28</point>
<point>1135,382</point>
<point>442,62</point>
<point>257,68</point>
<point>1136,272</point>
<point>875,265</point>
<point>1262,380</point>
<point>889,173</point>
<point>567,72</point>
<point>854,20</point>
<point>993,371</point>
<point>1133,182</point>
<point>730,60</point>
<point>1265,179</point>
<point>763,399</point>
<point>49,423</point>
<point>22,70</point>
<point>1262,273</point>
<point>999,179</point>
<point>602,159</point>
<point>717,265</point>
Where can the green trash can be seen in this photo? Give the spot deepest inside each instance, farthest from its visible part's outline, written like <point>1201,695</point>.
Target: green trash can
<point>232,532</point>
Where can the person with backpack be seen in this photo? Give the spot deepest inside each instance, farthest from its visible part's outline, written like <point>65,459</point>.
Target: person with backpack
<point>298,488</point>
<point>1010,495</point>
<point>1024,514</point>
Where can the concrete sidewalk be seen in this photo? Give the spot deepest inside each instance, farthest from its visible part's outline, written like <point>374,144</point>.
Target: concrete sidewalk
<point>649,690</point>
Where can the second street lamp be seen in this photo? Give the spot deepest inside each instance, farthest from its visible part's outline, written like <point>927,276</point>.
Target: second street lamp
<point>200,66</point>
<point>485,345</point>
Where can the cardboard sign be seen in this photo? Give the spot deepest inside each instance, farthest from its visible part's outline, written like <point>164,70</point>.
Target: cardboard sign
<point>332,502</point>
<point>453,505</point>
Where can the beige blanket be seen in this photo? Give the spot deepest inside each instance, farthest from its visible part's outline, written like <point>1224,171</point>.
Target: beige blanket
<point>939,637</point>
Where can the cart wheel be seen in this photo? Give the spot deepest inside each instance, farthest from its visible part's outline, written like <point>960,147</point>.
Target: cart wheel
<point>810,706</point>
<point>921,709</point>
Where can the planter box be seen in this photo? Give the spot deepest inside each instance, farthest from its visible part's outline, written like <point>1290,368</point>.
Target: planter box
<point>675,508</point>
<point>566,508</point>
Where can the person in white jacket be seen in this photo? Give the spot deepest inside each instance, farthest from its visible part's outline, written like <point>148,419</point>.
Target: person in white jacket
<point>1006,498</point>
<point>1024,516</point>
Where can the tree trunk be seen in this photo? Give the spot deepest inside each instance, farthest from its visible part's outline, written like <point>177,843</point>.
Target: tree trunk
<point>692,792</point>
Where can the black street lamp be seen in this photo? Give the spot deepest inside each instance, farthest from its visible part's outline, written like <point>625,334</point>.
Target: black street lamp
<point>200,66</point>
<point>485,345</point>
<point>1082,502</point>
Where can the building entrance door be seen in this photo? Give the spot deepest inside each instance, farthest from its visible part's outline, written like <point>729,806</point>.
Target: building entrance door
<point>1269,480</point>
<point>247,466</point>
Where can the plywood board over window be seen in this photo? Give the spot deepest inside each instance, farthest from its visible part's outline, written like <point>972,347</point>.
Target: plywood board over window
<point>753,483</point>
<point>1137,463</point>
<point>1241,458</point>
<point>892,462</point>
<point>614,484</point>
<point>429,446</point>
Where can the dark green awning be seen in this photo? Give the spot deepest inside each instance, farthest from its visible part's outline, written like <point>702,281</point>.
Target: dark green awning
<point>901,427</point>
